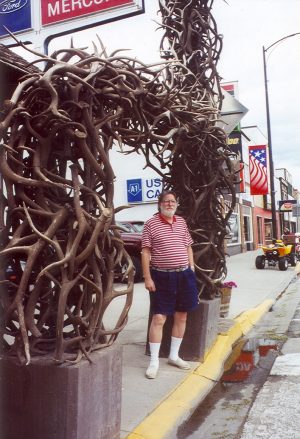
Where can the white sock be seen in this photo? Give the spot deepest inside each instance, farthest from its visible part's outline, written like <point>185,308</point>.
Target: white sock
<point>175,345</point>
<point>154,353</point>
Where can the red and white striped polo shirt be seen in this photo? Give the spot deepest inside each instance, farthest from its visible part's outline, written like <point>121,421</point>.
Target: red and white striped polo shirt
<point>168,242</point>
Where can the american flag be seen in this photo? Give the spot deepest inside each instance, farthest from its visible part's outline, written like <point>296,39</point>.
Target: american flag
<point>258,170</point>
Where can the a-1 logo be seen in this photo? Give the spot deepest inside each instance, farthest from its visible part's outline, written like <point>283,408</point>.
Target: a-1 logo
<point>134,190</point>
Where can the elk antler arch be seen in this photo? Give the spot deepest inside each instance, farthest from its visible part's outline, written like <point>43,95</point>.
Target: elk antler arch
<point>57,211</point>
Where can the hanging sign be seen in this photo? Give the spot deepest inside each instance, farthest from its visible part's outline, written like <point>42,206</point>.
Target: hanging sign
<point>234,141</point>
<point>286,205</point>
<point>258,170</point>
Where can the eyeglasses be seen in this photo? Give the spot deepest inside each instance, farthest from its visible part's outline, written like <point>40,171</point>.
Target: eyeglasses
<point>169,202</point>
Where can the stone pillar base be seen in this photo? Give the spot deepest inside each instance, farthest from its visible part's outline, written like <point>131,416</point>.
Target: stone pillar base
<point>47,401</point>
<point>201,331</point>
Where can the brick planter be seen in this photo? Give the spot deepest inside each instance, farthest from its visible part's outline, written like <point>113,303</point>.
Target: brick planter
<point>48,401</point>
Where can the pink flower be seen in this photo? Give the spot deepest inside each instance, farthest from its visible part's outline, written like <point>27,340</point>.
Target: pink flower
<point>229,284</point>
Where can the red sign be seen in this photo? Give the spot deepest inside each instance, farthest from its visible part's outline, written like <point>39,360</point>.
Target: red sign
<point>54,11</point>
<point>229,88</point>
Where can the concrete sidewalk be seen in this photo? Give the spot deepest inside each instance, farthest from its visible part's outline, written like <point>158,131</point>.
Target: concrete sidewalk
<point>275,411</point>
<point>153,409</point>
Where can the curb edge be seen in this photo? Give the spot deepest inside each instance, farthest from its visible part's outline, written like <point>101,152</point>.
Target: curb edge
<point>178,405</point>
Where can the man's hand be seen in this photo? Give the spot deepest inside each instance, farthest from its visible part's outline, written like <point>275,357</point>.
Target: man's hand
<point>150,285</point>
<point>146,257</point>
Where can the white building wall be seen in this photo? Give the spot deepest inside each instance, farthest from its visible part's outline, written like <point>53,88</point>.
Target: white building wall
<point>127,167</point>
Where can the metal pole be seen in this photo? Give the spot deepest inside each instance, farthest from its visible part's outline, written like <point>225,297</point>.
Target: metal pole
<point>272,180</point>
<point>271,163</point>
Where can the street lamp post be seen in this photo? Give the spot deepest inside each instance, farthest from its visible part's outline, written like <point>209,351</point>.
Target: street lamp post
<point>272,179</point>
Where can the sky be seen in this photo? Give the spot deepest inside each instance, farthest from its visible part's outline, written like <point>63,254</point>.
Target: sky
<point>246,26</point>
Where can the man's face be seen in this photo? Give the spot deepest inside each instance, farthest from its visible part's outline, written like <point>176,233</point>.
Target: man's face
<point>168,206</point>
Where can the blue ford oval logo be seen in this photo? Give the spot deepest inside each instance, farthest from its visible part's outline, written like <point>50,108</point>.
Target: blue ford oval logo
<point>8,6</point>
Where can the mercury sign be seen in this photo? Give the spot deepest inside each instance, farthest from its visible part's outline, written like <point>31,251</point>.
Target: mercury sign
<point>40,21</point>
<point>54,11</point>
<point>15,15</point>
<point>143,190</point>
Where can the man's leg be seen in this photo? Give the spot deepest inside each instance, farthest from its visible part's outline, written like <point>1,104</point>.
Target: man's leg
<point>179,324</point>
<point>176,339</point>
<point>156,328</point>
<point>155,337</point>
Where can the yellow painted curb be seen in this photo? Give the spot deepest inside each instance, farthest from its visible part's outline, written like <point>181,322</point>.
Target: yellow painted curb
<point>196,385</point>
<point>250,317</point>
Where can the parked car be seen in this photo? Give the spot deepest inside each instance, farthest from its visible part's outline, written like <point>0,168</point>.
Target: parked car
<point>138,225</point>
<point>133,245</point>
<point>131,226</point>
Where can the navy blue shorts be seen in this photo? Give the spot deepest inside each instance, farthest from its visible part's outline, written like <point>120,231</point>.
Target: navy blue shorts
<point>175,291</point>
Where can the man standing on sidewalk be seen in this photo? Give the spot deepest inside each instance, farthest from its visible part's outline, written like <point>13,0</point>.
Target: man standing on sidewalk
<point>168,269</point>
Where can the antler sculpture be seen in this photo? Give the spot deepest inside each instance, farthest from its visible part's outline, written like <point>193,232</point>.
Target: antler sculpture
<point>202,167</point>
<point>57,211</point>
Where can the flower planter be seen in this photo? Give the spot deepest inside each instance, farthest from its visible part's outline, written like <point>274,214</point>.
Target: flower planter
<point>225,301</point>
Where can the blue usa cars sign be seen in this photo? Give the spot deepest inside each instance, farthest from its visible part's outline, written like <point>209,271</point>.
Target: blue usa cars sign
<point>143,190</point>
<point>15,15</point>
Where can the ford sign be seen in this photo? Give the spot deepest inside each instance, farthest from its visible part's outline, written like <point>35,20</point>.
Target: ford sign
<point>9,6</point>
<point>15,15</point>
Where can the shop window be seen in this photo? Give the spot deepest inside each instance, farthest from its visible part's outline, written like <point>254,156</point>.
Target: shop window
<point>233,232</point>
<point>247,228</point>
<point>259,230</point>
<point>268,232</point>
<point>247,224</point>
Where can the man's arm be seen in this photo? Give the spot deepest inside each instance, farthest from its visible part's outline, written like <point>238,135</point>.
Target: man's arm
<point>146,257</point>
<point>191,257</point>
